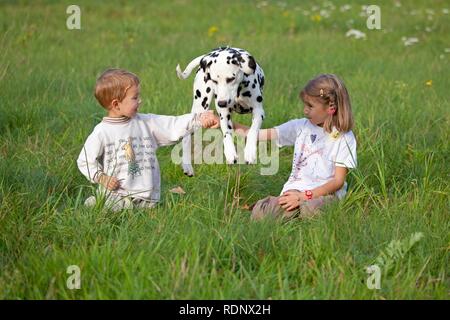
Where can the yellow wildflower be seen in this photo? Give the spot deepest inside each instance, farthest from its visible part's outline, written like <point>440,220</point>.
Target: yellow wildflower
<point>316,18</point>
<point>212,30</point>
<point>335,134</point>
<point>429,83</point>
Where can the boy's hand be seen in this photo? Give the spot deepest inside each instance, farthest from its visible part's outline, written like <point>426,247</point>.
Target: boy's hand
<point>110,183</point>
<point>209,120</point>
<point>291,200</point>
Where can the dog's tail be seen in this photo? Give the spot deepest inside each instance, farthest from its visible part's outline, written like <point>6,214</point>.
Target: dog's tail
<point>194,63</point>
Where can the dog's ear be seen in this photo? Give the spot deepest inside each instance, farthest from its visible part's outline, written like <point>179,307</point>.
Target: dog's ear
<point>248,64</point>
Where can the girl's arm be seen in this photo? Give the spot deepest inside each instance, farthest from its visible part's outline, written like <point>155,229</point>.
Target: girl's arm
<point>331,186</point>
<point>263,135</point>
<point>291,200</point>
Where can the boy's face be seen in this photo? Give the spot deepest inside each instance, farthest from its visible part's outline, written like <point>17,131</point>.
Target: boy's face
<point>128,107</point>
<point>314,110</point>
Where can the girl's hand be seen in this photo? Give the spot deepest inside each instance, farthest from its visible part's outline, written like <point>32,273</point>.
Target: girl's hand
<point>110,183</point>
<point>209,120</point>
<point>290,200</point>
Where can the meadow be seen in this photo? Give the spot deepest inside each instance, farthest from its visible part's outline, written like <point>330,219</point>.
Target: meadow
<point>202,244</point>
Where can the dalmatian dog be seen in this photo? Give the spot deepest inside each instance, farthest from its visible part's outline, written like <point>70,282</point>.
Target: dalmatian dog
<point>232,78</point>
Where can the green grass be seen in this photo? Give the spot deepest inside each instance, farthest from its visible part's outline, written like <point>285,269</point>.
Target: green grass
<point>202,245</point>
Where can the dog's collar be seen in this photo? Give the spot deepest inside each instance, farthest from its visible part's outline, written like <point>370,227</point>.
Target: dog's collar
<point>118,120</point>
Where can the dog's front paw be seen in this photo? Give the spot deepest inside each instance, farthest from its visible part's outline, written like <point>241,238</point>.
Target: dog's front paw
<point>230,153</point>
<point>250,154</point>
<point>188,169</point>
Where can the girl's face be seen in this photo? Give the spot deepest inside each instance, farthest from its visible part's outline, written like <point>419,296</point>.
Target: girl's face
<point>315,110</point>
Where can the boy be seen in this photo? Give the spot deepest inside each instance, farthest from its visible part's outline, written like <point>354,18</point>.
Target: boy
<point>120,153</point>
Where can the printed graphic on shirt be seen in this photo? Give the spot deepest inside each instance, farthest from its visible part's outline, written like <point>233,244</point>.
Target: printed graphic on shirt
<point>133,167</point>
<point>302,159</point>
<point>133,155</point>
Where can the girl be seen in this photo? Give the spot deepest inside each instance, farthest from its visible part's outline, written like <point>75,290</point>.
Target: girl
<point>324,150</point>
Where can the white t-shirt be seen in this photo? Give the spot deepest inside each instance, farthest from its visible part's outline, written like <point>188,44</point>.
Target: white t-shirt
<point>316,154</point>
<point>126,149</point>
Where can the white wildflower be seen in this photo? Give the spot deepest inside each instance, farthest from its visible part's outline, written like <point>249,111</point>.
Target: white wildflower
<point>324,13</point>
<point>345,7</point>
<point>355,34</point>
<point>409,41</point>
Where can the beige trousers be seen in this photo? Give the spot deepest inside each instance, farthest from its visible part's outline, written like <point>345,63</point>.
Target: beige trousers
<point>269,207</point>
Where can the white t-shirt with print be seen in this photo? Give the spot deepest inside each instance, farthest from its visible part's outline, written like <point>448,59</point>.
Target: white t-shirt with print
<point>316,154</point>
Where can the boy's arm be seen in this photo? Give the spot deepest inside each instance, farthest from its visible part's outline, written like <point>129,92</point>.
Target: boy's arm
<point>90,166</point>
<point>88,159</point>
<point>168,130</point>
<point>263,134</point>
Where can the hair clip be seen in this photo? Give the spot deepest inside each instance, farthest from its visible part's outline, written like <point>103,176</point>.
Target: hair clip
<point>321,92</point>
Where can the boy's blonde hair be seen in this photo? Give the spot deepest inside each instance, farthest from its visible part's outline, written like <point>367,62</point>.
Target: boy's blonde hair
<point>113,84</point>
<point>331,91</point>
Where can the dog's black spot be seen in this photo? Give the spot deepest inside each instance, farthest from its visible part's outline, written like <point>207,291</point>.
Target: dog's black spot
<point>208,89</point>
<point>204,101</point>
<point>261,81</point>
<point>252,63</point>
<point>253,86</point>
<point>239,90</point>
<point>254,81</point>
<point>229,101</point>
<point>229,127</point>
<point>245,83</point>
<point>215,96</point>
<point>234,62</point>
<point>247,94</point>
<point>197,93</point>
<point>259,99</point>
<point>251,109</point>
<point>228,62</point>
<point>262,117</point>
<point>228,116</point>
<point>203,64</point>
<point>229,109</point>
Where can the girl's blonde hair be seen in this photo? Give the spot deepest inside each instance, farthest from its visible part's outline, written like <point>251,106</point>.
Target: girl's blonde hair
<point>331,91</point>
<point>113,84</point>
